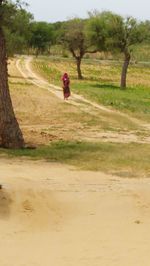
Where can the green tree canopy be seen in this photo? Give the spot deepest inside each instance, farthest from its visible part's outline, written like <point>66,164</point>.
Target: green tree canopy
<point>18,33</point>
<point>42,36</point>
<point>74,38</point>
<point>109,32</point>
<point>124,33</point>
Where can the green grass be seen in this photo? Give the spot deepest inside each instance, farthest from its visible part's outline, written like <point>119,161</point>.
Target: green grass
<point>135,100</point>
<point>141,52</point>
<point>101,83</point>
<point>131,160</point>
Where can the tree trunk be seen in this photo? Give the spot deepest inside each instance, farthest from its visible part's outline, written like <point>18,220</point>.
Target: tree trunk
<point>10,133</point>
<point>125,69</point>
<point>78,59</point>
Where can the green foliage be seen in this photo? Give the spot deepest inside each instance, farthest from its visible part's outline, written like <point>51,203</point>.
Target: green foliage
<point>16,23</point>
<point>58,31</point>
<point>111,31</point>
<point>15,43</point>
<point>7,12</point>
<point>19,34</point>
<point>131,32</point>
<point>42,36</point>
<point>73,37</point>
<point>97,29</point>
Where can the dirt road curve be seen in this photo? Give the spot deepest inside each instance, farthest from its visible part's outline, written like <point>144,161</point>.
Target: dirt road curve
<point>54,215</point>
<point>24,66</point>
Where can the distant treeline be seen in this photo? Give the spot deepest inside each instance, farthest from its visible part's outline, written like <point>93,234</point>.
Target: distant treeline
<point>102,35</point>
<point>99,33</point>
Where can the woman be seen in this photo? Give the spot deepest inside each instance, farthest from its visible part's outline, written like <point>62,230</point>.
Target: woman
<point>66,88</point>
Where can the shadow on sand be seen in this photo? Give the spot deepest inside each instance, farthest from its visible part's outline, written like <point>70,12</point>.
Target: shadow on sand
<point>5,202</point>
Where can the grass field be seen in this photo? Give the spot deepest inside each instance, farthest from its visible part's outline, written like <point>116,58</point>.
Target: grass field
<point>94,140</point>
<point>101,83</point>
<point>125,160</point>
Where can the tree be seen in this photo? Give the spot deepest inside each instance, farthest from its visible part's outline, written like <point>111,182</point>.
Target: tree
<point>110,31</point>
<point>42,37</point>
<point>18,33</point>
<point>75,40</point>
<point>57,31</point>
<point>124,34</point>
<point>10,133</point>
<point>97,30</point>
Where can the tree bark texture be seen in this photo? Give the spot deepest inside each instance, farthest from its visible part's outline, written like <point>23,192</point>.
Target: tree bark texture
<point>124,70</point>
<point>10,133</point>
<point>78,60</point>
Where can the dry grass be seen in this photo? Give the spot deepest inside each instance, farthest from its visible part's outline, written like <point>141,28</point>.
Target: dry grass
<point>94,140</point>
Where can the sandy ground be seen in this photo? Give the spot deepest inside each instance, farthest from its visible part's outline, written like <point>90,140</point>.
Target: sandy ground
<point>54,215</point>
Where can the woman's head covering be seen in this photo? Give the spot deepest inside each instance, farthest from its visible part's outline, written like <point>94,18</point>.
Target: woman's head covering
<point>65,75</point>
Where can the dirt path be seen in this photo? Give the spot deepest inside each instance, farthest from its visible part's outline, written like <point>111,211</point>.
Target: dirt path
<point>71,129</point>
<point>54,215</point>
<point>24,66</point>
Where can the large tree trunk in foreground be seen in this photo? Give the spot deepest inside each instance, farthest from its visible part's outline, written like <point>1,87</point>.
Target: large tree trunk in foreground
<point>10,133</point>
<point>124,70</point>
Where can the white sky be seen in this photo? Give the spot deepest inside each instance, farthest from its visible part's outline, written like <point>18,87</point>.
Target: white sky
<point>60,10</point>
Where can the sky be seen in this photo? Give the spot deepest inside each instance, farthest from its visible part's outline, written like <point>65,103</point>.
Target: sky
<point>60,10</point>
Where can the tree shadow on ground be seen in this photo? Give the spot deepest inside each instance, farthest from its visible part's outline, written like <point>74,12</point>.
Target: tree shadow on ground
<point>105,86</point>
<point>94,79</point>
<point>5,201</point>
